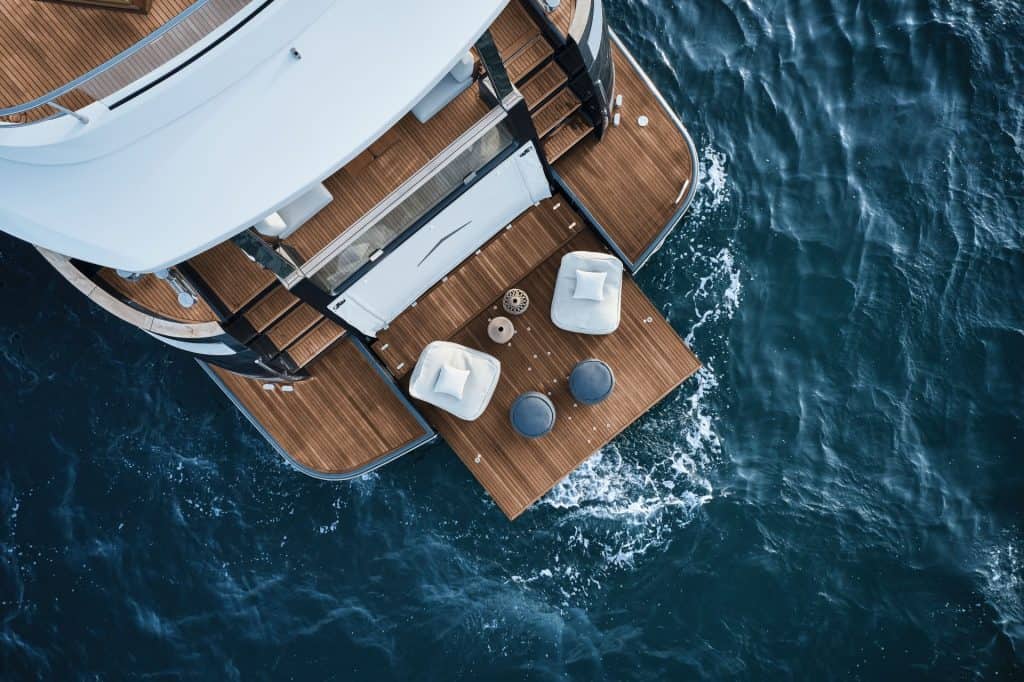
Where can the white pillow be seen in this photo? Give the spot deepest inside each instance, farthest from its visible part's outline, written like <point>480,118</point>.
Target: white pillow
<point>589,285</point>
<point>451,381</point>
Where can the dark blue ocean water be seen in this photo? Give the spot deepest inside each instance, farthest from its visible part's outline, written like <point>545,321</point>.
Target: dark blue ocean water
<point>838,495</point>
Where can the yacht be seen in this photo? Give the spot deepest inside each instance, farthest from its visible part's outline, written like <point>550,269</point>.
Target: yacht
<point>373,224</point>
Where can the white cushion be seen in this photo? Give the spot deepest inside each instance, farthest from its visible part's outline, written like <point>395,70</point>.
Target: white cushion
<point>463,69</point>
<point>483,373</point>
<point>271,226</point>
<point>582,315</point>
<point>294,215</point>
<point>451,86</point>
<point>451,381</point>
<point>589,285</point>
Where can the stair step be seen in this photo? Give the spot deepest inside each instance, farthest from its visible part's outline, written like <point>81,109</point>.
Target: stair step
<point>565,137</point>
<point>293,325</point>
<point>528,58</point>
<point>542,84</point>
<point>270,308</point>
<point>555,111</point>
<point>314,342</point>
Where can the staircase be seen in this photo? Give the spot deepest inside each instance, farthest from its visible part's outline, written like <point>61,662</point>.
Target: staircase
<point>531,66</point>
<point>565,136</point>
<point>289,330</point>
<point>554,107</point>
<point>556,113</point>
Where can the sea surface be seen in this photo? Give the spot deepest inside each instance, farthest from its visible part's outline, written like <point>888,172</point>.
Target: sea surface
<point>839,494</point>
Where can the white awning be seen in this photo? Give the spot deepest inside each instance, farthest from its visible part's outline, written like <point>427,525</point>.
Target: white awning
<point>232,136</point>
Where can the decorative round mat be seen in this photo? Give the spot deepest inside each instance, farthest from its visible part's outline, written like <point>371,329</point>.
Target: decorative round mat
<point>515,302</point>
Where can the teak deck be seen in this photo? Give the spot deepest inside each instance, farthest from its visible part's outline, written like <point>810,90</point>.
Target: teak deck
<point>327,424</point>
<point>474,284</point>
<point>645,353</point>
<point>228,273</point>
<point>630,180</point>
<point>46,44</point>
<point>155,297</point>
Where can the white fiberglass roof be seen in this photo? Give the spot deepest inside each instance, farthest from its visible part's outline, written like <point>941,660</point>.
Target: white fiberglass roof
<point>235,134</point>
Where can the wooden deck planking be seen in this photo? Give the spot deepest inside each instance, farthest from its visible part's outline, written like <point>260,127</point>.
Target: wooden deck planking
<point>561,17</point>
<point>474,284</point>
<point>554,111</point>
<point>327,424</point>
<point>370,177</point>
<point>271,308</point>
<point>229,273</point>
<point>156,297</point>
<point>648,358</point>
<point>542,84</point>
<point>47,45</point>
<point>289,328</point>
<point>629,181</point>
<point>314,342</point>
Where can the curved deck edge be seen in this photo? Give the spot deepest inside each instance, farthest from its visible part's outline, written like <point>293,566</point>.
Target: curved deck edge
<point>148,323</point>
<point>428,435</point>
<point>691,191</point>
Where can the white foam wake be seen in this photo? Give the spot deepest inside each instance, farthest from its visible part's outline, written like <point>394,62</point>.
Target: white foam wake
<point>1002,573</point>
<point>632,497</point>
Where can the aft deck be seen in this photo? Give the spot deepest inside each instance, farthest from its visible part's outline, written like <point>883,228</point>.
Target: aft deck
<point>635,181</point>
<point>48,44</point>
<point>470,288</point>
<point>345,419</point>
<point>645,353</point>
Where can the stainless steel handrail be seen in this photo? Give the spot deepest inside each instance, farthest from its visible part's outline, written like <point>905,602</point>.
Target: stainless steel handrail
<point>188,27</point>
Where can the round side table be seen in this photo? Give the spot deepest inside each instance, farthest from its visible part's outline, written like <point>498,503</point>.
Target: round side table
<point>532,415</point>
<point>591,381</point>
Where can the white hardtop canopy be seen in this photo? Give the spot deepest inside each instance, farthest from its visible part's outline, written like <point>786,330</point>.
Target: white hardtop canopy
<point>234,135</point>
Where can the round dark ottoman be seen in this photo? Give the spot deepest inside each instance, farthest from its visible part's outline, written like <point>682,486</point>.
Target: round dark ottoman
<point>591,381</point>
<point>532,415</point>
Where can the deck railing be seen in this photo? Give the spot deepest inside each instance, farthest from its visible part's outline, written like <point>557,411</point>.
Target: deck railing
<point>156,50</point>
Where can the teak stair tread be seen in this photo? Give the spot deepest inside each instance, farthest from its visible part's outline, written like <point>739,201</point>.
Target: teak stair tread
<point>314,342</point>
<point>528,58</point>
<point>270,308</point>
<point>231,275</point>
<point>513,29</point>
<point>566,136</point>
<point>293,325</point>
<point>556,110</point>
<point>542,84</point>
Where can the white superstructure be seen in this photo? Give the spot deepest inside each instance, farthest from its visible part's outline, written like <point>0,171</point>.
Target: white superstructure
<point>289,98</point>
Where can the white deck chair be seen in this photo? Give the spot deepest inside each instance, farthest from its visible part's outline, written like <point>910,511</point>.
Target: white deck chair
<point>584,315</point>
<point>484,371</point>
